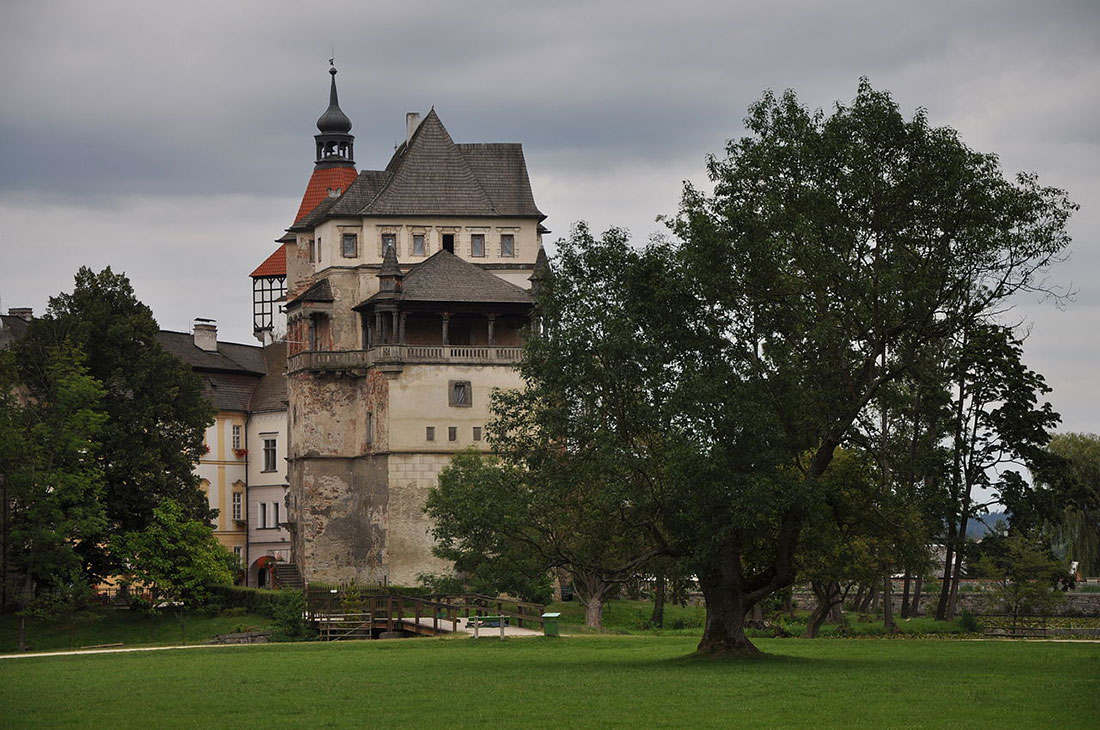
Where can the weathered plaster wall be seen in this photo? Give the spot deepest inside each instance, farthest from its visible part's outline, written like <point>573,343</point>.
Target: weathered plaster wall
<point>420,399</point>
<point>408,534</point>
<point>328,415</point>
<point>339,507</point>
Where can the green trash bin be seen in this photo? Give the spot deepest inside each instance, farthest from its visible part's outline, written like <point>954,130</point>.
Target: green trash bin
<point>550,624</point>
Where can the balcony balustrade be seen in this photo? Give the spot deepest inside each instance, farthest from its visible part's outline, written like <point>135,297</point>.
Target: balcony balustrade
<point>398,355</point>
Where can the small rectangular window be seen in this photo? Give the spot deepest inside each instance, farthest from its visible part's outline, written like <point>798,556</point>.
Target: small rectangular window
<point>350,245</point>
<point>318,249</point>
<point>312,251</point>
<point>275,514</point>
<point>418,244</point>
<point>449,242</point>
<point>477,245</point>
<point>452,433</point>
<point>507,244</point>
<point>477,433</point>
<point>238,552</point>
<point>237,500</point>
<point>429,433</point>
<point>269,453</point>
<point>370,427</point>
<point>459,394</point>
<point>236,437</point>
<point>263,515</point>
<point>389,240</point>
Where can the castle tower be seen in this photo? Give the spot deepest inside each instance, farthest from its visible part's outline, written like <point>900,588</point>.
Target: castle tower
<point>408,293</point>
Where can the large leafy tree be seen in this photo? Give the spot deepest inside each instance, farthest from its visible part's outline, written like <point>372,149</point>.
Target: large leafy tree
<point>834,252</point>
<point>175,558</point>
<point>578,481</point>
<point>1072,491</point>
<point>999,425</point>
<point>156,412</point>
<point>50,483</point>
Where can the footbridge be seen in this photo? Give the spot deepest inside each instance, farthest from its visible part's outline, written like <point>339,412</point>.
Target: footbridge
<point>341,615</point>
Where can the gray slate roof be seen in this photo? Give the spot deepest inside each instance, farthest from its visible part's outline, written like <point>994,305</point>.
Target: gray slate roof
<point>270,392</point>
<point>229,374</point>
<point>361,192</point>
<point>431,175</point>
<point>444,277</point>
<point>319,292</point>
<point>11,329</point>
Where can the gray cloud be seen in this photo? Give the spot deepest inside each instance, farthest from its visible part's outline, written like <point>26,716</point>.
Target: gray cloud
<point>172,141</point>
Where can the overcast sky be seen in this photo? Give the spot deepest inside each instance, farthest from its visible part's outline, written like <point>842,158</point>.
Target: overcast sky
<point>172,141</point>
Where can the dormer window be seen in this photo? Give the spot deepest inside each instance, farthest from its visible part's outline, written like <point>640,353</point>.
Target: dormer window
<point>385,284</point>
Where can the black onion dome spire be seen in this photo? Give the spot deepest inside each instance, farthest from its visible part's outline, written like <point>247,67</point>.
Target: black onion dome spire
<point>335,147</point>
<point>333,120</point>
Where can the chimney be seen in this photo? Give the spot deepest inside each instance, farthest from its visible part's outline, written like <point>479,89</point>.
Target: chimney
<point>412,121</point>
<point>24,313</point>
<point>206,334</point>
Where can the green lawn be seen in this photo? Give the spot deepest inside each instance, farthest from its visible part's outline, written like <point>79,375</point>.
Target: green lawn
<point>585,681</point>
<point>128,627</point>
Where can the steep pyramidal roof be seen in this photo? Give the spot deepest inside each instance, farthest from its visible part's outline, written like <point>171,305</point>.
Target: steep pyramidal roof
<point>431,175</point>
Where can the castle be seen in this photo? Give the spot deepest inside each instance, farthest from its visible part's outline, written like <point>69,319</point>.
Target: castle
<point>407,290</point>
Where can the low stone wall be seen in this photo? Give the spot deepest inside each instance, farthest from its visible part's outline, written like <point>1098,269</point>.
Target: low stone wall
<point>246,637</point>
<point>1075,604</point>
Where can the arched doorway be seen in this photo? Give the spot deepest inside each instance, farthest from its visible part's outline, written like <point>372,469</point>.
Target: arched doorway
<point>261,572</point>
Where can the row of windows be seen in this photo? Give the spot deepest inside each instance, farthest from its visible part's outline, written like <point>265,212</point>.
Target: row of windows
<point>270,441</point>
<point>452,433</point>
<point>269,511</point>
<point>419,245</point>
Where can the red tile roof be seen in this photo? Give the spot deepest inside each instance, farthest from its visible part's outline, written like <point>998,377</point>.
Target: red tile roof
<point>273,265</point>
<point>320,183</point>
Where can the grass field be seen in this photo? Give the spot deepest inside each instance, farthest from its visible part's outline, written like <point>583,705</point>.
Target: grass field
<point>585,681</point>
<point>128,627</point>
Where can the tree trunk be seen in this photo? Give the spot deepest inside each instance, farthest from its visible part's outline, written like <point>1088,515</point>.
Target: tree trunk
<point>956,572</point>
<point>914,608</point>
<point>828,596</point>
<point>657,619</point>
<point>874,597</point>
<point>28,599</point>
<point>945,589</point>
<point>724,632</point>
<point>593,612</point>
<point>592,590</point>
<point>888,603</point>
<point>905,596</point>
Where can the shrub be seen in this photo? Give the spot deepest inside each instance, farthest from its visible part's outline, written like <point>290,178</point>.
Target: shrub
<point>290,618</point>
<point>968,622</point>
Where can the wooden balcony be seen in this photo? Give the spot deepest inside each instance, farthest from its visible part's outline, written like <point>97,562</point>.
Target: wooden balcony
<point>396,356</point>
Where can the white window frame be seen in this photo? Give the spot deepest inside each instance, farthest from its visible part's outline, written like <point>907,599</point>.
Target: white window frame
<point>271,449</point>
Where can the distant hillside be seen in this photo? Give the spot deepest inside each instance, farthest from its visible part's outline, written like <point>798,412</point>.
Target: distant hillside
<point>980,527</point>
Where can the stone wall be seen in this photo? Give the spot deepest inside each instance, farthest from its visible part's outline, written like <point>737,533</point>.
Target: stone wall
<point>1076,604</point>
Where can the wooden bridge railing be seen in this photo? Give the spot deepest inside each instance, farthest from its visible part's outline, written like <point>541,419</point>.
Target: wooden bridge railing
<point>389,612</point>
<point>476,604</point>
